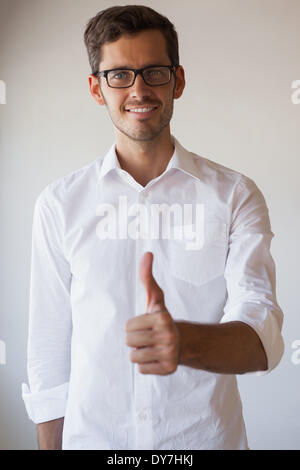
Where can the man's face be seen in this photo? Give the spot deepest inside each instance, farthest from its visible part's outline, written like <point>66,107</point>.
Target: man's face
<point>146,48</point>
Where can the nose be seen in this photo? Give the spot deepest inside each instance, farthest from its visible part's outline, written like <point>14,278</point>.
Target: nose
<point>140,89</point>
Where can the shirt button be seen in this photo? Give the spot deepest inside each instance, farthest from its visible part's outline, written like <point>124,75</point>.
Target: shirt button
<point>143,416</point>
<point>144,196</point>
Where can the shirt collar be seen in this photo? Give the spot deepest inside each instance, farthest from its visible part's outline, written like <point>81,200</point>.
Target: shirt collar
<point>181,159</point>
<point>110,162</point>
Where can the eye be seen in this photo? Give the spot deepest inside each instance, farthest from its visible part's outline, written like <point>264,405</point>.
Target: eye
<point>120,75</point>
<point>155,72</point>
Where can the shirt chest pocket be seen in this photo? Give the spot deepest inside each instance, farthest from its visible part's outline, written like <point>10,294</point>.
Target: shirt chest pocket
<point>201,262</point>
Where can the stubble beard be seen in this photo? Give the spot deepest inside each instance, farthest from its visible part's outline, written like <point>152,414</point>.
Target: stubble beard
<point>145,130</point>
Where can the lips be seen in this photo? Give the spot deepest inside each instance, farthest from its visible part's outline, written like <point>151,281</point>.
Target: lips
<point>142,115</point>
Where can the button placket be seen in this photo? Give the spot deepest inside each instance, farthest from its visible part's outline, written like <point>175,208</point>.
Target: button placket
<point>143,397</point>
<point>144,233</point>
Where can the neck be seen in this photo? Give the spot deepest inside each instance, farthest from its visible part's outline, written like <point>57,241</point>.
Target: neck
<point>144,160</point>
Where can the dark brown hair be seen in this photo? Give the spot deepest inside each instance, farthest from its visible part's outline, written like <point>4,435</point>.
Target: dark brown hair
<point>108,25</point>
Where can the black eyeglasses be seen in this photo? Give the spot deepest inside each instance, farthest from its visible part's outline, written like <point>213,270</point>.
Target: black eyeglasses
<point>154,75</point>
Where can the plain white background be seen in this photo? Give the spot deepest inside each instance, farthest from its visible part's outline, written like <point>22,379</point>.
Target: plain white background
<point>240,59</point>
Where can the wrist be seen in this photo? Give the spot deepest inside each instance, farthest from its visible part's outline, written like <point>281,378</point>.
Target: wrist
<point>187,331</point>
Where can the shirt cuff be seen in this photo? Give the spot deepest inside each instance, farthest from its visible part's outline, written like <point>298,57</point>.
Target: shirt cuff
<point>45,405</point>
<point>263,320</point>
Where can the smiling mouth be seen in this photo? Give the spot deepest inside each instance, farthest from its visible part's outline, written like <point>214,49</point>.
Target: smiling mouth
<point>145,109</point>
<point>145,112</point>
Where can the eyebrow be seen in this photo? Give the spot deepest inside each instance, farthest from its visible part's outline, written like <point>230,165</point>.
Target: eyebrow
<point>130,66</point>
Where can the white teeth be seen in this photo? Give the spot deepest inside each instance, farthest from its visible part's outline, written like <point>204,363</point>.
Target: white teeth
<point>141,110</point>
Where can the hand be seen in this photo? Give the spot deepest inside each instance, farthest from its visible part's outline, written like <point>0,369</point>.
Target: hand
<point>155,334</point>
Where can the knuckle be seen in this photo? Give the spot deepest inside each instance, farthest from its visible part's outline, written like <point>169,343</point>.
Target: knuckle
<point>170,337</point>
<point>169,353</point>
<point>163,319</point>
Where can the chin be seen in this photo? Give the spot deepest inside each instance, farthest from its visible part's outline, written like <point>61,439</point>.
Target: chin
<point>143,135</point>
<point>140,136</point>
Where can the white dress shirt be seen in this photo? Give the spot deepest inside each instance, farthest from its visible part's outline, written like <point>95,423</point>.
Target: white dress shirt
<point>85,287</point>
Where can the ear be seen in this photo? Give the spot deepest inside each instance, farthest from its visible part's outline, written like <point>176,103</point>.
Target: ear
<point>180,82</point>
<point>95,90</point>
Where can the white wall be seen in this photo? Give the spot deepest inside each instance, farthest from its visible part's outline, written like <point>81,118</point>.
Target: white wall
<point>240,58</point>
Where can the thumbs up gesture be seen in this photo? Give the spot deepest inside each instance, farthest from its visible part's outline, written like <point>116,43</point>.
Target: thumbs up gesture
<point>154,334</point>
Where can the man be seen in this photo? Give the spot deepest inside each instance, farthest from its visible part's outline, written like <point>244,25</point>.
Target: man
<point>135,338</point>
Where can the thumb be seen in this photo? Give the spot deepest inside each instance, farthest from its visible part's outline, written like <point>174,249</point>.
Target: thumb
<point>155,295</point>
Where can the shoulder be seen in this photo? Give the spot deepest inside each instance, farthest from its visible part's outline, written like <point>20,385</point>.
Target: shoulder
<point>213,172</point>
<point>212,169</point>
<point>67,188</point>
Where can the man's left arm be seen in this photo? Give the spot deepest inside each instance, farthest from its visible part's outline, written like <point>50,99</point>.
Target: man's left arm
<point>227,348</point>
<point>248,338</point>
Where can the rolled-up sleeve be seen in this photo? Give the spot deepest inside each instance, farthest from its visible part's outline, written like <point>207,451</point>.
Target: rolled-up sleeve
<point>250,271</point>
<point>50,318</point>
